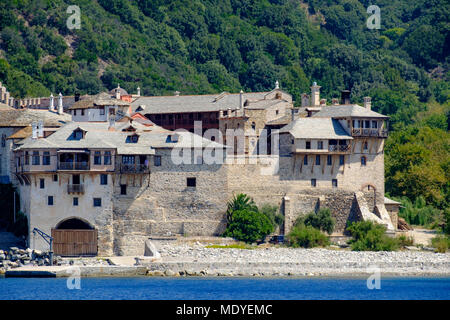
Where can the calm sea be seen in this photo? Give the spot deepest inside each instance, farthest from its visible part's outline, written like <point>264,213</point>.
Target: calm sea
<point>223,288</point>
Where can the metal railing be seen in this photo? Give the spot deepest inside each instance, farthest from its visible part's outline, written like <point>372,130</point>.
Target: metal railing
<point>134,168</point>
<point>73,166</point>
<point>339,148</point>
<point>75,188</point>
<point>361,132</point>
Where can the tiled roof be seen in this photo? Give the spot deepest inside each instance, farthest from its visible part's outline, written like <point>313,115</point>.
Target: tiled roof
<point>316,128</point>
<point>101,99</point>
<point>10,117</point>
<point>347,110</point>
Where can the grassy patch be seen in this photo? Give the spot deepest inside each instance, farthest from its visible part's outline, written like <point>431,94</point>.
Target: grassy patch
<point>231,246</point>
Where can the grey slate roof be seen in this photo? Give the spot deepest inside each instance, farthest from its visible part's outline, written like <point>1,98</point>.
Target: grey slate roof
<point>195,103</point>
<point>11,117</point>
<point>316,128</point>
<point>101,99</point>
<point>347,110</point>
<point>390,201</point>
<point>98,136</point>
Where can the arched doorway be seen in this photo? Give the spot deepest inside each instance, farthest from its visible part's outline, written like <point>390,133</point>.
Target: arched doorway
<point>74,237</point>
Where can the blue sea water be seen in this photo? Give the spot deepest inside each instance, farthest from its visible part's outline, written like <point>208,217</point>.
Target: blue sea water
<point>146,288</point>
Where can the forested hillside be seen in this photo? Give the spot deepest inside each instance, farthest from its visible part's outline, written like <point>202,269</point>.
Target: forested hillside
<point>207,46</point>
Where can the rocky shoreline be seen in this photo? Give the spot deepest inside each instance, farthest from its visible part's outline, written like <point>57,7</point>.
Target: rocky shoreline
<point>195,259</point>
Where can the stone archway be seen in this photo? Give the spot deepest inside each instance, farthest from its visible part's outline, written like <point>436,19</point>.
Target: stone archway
<point>75,236</point>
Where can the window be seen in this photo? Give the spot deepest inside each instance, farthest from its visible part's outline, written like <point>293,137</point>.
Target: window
<point>50,200</point>
<point>75,202</point>
<point>374,124</point>
<point>102,111</point>
<point>313,182</point>
<point>334,183</point>
<point>329,160</point>
<point>157,160</point>
<point>363,161</point>
<point>308,144</point>
<point>107,158</point>
<point>320,145</point>
<point>27,158</point>
<point>55,177</point>
<point>42,183</point>
<point>128,159</point>
<point>341,160</point>
<point>253,126</point>
<point>103,179</point>
<point>305,160</point>
<point>78,134</point>
<point>82,112</point>
<point>132,139</point>
<point>36,158</point>
<point>97,202</point>
<point>123,189</point>
<point>366,145</point>
<point>97,157</point>
<point>75,112</point>
<point>276,112</point>
<point>367,124</point>
<point>191,182</point>
<point>318,160</point>
<point>46,158</point>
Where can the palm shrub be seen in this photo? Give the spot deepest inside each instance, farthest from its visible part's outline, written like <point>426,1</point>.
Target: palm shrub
<point>238,203</point>
<point>369,236</point>
<point>248,226</point>
<point>307,237</point>
<point>321,220</point>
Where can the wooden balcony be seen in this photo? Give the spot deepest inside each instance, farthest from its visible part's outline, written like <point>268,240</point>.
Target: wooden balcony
<point>361,132</point>
<point>75,188</point>
<point>73,166</point>
<point>134,168</point>
<point>339,148</point>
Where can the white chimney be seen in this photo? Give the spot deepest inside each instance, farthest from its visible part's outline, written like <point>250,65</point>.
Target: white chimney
<point>335,101</point>
<point>368,103</point>
<point>52,103</point>
<point>40,129</point>
<point>241,101</point>
<point>118,92</point>
<point>34,130</point>
<point>229,113</point>
<point>138,91</point>
<point>277,85</point>
<point>305,100</point>
<point>60,104</point>
<point>315,95</point>
<point>177,93</point>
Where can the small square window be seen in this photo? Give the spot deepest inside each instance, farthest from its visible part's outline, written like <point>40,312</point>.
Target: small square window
<point>103,179</point>
<point>341,160</point>
<point>334,183</point>
<point>55,177</point>
<point>191,182</point>
<point>75,202</point>
<point>97,202</point>
<point>313,182</point>
<point>123,189</point>
<point>318,160</point>
<point>42,183</point>
<point>320,145</point>
<point>97,158</point>
<point>329,160</point>
<point>157,160</point>
<point>305,160</point>
<point>308,144</point>
<point>50,200</point>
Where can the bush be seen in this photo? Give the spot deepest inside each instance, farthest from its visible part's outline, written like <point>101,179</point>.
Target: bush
<point>441,243</point>
<point>271,212</point>
<point>321,220</point>
<point>419,213</point>
<point>248,226</point>
<point>240,202</point>
<point>307,237</point>
<point>405,241</point>
<point>369,236</point>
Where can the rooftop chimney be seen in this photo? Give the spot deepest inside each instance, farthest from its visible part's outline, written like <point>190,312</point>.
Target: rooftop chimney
<point>345,97</point>
<point>335,101</point>
<point>323,102</point>
<point>77,96</point>
<point>177,93</point>
<point>34,130</point>
<point>118,92</point>
<point>315,95</point>
<point>40,129</point>
<point>241,101</point>
<point>368,103</point>
<point>138,91</point>
<point>60,104</point>
<point>277,85</point>
<point>52,103</point>
<point>305,100</point>
<point>112,123</point>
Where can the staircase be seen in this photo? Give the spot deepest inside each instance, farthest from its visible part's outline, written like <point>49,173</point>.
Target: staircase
<point>8,239</point>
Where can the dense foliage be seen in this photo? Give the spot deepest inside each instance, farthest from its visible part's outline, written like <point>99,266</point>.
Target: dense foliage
<point>249,226</point>
<point>321,220</point>
<point>206,46</point>
<point>369,236</point>
<point>307,237</point>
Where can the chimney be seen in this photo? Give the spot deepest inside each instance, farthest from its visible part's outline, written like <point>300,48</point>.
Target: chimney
<point>277,85</point>
<point>60,104</point>
<point>220,114</point>
<point>345,97</point>
<point>305,100</point>
<point>52,103</point>
<point>40,129</point>
<point>34,130</point>
<point>241,101</point>
<point>315,95</point>
<point>177,93</point>
<point>77,96</point>
<point>112,123</point>
<point>138,91</point>
<point>368,103</point>
<point>118,92</point>
<point>323,102</point>
<point>335,101</point>
<point>229,113</point>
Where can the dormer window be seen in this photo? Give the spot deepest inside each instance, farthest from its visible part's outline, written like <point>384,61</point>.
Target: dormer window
<point>78,134</point>
<point>132,139</point>
<point>172,138</point>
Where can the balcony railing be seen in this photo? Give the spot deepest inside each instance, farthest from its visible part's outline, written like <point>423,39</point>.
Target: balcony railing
<point>73,166</point>
<point>75,188</point>
<point>134,168</point>
<point>339,148</point>
<point>361,132</point>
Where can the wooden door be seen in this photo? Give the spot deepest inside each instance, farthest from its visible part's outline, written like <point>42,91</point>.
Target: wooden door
<point>73,242</point>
